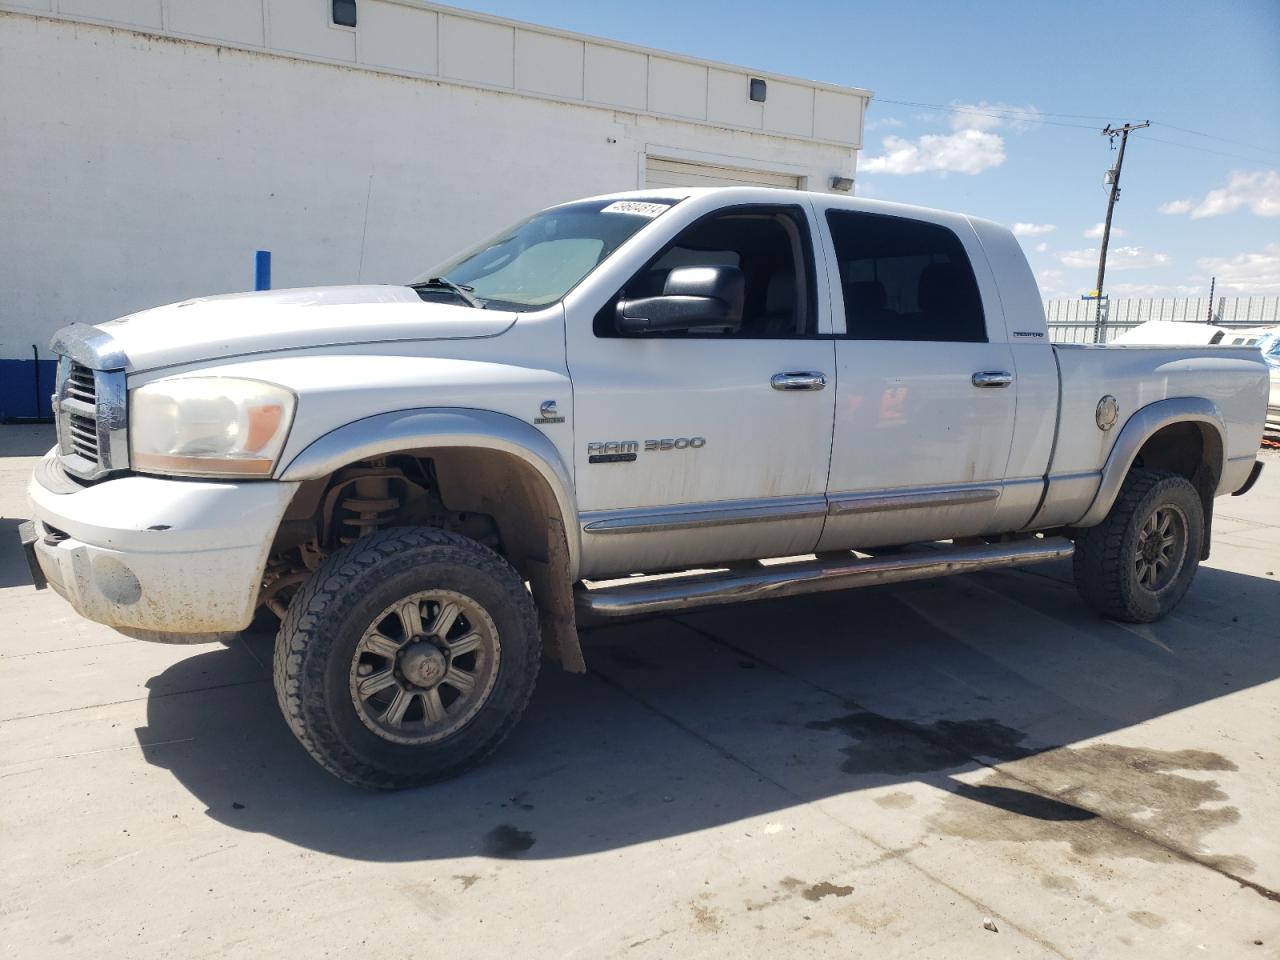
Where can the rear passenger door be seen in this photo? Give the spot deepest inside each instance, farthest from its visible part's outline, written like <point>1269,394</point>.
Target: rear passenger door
<point>925,405</point>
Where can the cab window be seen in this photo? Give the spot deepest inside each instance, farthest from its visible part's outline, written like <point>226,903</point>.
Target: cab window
<point>905,279</point>
<point>769,244</point>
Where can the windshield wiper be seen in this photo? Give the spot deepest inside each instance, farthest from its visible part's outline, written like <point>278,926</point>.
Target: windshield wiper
<point>460,290</point>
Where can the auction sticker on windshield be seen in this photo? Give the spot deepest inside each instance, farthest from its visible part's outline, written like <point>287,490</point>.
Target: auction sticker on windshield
<point>640,208</point>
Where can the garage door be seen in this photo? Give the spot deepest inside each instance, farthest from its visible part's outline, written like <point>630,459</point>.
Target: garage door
<point>678,173</point>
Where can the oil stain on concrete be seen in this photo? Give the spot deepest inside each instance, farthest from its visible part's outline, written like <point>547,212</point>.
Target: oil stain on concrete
<point>817,891</point>
<point>506,841</point>
<point>881,745</point>
<point>1108,801</point>
<point>1105,800</point>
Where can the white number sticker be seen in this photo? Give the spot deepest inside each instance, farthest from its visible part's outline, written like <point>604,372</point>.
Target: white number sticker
<point>638,207</point>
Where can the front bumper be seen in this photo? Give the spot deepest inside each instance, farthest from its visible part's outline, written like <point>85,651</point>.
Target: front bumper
<point>151,555</point>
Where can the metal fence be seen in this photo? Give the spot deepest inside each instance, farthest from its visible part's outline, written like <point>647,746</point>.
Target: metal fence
<point>1074,321</point>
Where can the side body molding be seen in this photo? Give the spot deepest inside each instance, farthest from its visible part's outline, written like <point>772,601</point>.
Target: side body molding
<point>1138,429</point>
<point>441,427</point>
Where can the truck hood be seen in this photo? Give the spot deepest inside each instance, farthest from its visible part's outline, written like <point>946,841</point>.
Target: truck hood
<point>233,325</point>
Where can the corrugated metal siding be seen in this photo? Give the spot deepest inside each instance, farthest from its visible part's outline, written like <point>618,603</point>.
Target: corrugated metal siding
<point>678,173</point>
<point>420,39</point>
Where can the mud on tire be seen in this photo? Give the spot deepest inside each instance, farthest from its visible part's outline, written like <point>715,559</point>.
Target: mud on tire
<point>341,638</point>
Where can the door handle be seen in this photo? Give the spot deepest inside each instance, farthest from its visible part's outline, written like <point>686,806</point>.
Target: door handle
<point>798,380</point>
<point>992,378</point>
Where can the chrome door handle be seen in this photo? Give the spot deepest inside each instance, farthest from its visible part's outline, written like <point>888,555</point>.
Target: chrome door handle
<point>798,380</point>
<point>992,378</point>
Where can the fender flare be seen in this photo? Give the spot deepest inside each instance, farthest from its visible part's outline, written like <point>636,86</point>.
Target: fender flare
<point>1138,429</point>
<point>428,427</point>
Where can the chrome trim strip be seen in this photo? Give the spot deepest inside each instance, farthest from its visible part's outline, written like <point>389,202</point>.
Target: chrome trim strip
<point>845,504</point>
<point>700,515</point>
<point>1078,475</point>
<point>1243,456</point>
<point>1022,482</point>
<point>113,420</point>
<point>650,595</point>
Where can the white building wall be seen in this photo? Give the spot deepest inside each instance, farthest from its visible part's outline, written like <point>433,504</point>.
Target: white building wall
<point>146,167</point>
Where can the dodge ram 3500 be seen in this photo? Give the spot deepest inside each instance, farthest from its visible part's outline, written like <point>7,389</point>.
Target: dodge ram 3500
<point>430,484</point>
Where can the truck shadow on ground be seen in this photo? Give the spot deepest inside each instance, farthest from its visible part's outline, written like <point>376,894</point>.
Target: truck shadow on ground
<point>744,712</point>
<point>14,571</point>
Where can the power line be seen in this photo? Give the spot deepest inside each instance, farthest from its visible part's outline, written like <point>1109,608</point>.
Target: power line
<point>1220,153</point>
<point>1037,116</point>
<point>1210,136</point>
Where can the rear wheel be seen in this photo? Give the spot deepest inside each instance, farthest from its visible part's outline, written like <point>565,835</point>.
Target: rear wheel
<point>407,658</point>
<point>1138,563</point>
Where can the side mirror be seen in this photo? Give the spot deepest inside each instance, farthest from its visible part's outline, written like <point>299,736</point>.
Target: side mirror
<point>691,297</point>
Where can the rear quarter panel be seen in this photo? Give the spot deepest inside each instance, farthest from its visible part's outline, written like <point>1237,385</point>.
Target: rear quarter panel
<point>1234,379</point>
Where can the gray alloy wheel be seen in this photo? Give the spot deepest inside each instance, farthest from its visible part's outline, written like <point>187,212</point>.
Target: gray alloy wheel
<point>1161,548</point>
<point>425,666</point>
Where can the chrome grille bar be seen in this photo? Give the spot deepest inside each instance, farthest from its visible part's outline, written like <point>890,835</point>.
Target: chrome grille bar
<point>89,405</point>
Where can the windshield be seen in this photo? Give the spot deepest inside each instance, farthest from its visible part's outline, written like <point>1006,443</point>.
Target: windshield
<point>538,261</point>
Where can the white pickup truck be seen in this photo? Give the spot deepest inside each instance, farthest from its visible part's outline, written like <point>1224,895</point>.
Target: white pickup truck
<point>431,484</point>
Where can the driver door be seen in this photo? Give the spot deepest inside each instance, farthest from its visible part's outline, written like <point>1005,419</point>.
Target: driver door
<point>707,445</point>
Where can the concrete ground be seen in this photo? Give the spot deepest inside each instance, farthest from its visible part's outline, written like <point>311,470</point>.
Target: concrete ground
<point>870,774</point>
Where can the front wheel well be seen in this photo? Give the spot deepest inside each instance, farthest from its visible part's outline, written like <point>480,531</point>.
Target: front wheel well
<point>491,496</point>
<point>1192,450</point>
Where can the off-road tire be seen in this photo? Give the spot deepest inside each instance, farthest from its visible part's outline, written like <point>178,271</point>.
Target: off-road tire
<point>329,614</point>
<point>1105,559</point>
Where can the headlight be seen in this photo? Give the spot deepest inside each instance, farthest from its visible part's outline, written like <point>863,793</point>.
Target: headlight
<point>202,426</point>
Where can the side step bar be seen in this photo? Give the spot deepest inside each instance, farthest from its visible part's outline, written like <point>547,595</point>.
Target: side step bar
<point>651,595</point>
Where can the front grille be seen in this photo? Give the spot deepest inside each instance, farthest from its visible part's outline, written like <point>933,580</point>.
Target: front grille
<point>82,426</point>
<point>91,420</point>
<point>84,436</point>
<point>80,385</point>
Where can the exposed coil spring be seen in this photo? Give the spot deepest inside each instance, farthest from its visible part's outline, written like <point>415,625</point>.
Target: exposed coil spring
<point>370,514</point>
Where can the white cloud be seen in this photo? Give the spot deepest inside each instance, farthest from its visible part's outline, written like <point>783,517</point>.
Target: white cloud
<point>1118,258</point>
<point>1041,247</point>
<point>1052,285</point>
<point>1095,232</point>
<point>1032,229</point>
<point>990,116</point>
<point>1246,273</point>
<point>882,123</point>
<point>966,151</point>
<point>1259,191</point>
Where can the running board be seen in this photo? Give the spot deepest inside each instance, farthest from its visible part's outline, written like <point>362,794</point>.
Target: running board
<point>662,595</point>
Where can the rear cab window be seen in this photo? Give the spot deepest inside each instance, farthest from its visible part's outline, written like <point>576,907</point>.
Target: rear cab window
<point>904,279</point>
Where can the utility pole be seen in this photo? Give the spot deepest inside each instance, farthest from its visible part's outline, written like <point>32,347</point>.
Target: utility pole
<point>1114,175</point>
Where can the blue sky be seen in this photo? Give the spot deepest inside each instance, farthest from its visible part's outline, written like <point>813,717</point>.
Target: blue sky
<point>1043,79</point>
